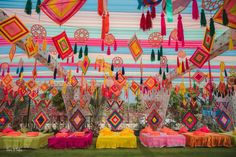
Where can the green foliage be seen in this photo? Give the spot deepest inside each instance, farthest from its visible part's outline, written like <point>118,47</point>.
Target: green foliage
<point>58,102</point>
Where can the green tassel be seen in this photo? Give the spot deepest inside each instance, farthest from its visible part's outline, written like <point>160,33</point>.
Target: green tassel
<point>226,73</point>
<point>167,68</point>
<point>141,80</point>
<point>225,18</point>
<point>123,70</point>
<point>212,27</point>
<point>80,52</point>
<point>37,9</point>
<point>75,48</point>
<point>153,56</point>
<point>112,67</point>
<point>86,51</point>
<point>164,76</point>
<point>194,85</point>
<point>117,77</point>
<point>139,4</point>
<point>203,18</point>
<point>28,7</point>
<point>161,51</point>
<point>160,71</point>
<point>158,55</point>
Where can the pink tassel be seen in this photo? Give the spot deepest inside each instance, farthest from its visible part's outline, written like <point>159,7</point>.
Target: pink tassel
<point>3,73</point>
<point>187,65</point>
<point>163,24</point>
<point>148,20</point>
<point>142,23</point>
<point>108,51</point>
<point>67,61</point>
<point>8,69</point>
<point>195,12</point>
<point>77,69</point>
<point>115,46</point>
<point>102,46</point>
<point>72,60</point>
<point>169,41</point>
<point>183,68</point>
<point>178,62</point>
<point>176,46</point>
<point>153,12</point>
<point>180,30</point>
<point>64,78</point>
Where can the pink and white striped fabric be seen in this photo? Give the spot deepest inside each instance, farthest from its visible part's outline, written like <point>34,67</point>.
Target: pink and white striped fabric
<point>163,140</point>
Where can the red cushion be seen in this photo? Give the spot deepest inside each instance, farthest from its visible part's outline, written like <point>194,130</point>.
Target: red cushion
<point>183,130</point>
<point>7,130</point>
<point>204,129</point>
<point>14,133</point>
<point>32,134</point>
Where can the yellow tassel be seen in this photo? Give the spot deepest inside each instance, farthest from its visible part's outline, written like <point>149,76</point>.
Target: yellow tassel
<point>222,66</point>
<point>12,52</point>
<point>21,76</point>
<point>110,73</point>
<point>44,48</point>
<point>231,44</point>
<point>105,80</point>
<point>37,47</point>
<point>63,90</point>
<point>221,77</point>
<point>69,76</point>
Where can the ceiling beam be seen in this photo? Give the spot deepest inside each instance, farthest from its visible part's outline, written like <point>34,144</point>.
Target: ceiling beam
<point>40,56</point>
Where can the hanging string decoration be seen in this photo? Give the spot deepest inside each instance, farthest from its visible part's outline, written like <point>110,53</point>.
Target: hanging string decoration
<point>61,11</point>
<point>81,35</point>
<point>109,40</point>
<point>155,39</point>
<point>117,62</point>
<point>174,36</point>
<point>208,40</point>
<point>135,48</point>
<point>211,5</point>
<point>38,32</point>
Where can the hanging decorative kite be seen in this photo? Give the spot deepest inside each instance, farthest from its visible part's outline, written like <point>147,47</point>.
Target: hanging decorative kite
<point>61,11</point>
<point>40,120</point>
<point>154,119</point>
<point>12,29</point>
<point>5,118</point>
<point>135,48</point>
<point>208,40</point>
<point>30,48</point>
<point>199,57</point>
<point>115,119</point>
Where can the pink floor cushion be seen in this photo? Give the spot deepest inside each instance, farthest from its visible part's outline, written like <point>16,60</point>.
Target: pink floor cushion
<point>32,134</point>
<point>204,129</point>
<point>7,130</point>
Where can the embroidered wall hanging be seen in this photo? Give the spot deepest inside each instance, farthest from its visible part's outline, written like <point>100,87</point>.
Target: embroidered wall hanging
<point>189,120</point>
<point>85,64</point>
<point>40,120</point>
<point>115,119</point>
<point>154,119</point>
<point>5,118</point>
<point>208,40</point>
<point>135,48</point>
<point>199,76</point>
<point>77,119</point>
<point>12,29</point>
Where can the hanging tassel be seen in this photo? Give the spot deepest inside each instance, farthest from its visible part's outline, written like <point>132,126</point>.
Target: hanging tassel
<point>67,61</point>
<point>117,75</point>
<point>195,12</point>
<point>140,4</point>
<point>167,68</point>
<point>75,48</point>
<point>153,56</point>
<point>231,44</point>
<point>108,51</point>
<point>72,59</point>
<point>8,69</point>
<point>102,46</point>
<point>80,52</point>
<point>186,64</point>
<point>37,9</point>
<point>100,7</point>
<point>163,24</point>
<point>17,70</point>
<point>12,52</point>
<point>203,21</point>
<point>142,24</point>
<point>176,46</point>
<point>3,73</point>
<point>22,69</point>
<point>58,56</point>
<point>44,47</point>
<point>55,74</point>
<point>141,80</point>
<point>169,10</point>
<point>178,63</point>
<point>161,51</point>
<point>212,27</point>
<point>160,71</point>
<point>225,18</point>
<point>115,45</point>
<point>148,21</point>
<point>49,58</point>
<point>112,67</point>
<point>180,30</point>
<point>28,7</point>
<point>158,55</point>
<point>164,76</point>
<point>153,12</point>
<point>77,69</point>
<point>105,25</point>
<point>123,71</point>
<point>86,50</point>
<point>183,68</point>
<point>226,75</point>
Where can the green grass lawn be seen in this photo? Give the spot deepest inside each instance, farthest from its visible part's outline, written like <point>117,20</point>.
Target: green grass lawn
<point>139,152</point>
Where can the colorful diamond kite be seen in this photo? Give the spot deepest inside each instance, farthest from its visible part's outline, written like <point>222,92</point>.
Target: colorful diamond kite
<point>154,119</point>
<point>134,87</point>
<point>230,7</point>
<point>224,120</point>
<point>5,118</point>
<point>120,103</point>
<point>30,47</point>
<point>54,91</point>
<point>33,94</point>
<point>77,119</point>
<point>62,44</point>
<point>199,76</point>
<point>150,83</point>
<point>115,119</point>
<point>208,40</point>
<point>61,11</point>
<point>121,79</point>
<point>115,90</point>
<point>135,48</point>
<point>7,79</point>
<point>85,64</point>
<point>31,84</point>
<point>44,87</point>
<point>40,120</point>
<point>189,120</point>
<point>149,103</point>
<point>12,29</point>
<point>199,57</point>
<point>74,81</point>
